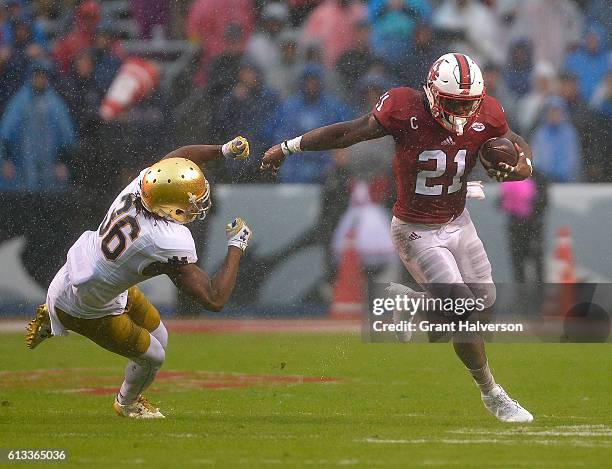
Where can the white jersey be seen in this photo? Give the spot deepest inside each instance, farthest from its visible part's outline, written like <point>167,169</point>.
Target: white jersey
<point>103,264</point>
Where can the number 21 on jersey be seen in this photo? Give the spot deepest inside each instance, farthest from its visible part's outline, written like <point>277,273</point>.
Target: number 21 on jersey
<point>441,158</point>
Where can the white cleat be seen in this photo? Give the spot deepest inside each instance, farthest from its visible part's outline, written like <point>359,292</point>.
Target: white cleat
<point>141,409</point>
<point>504,407</point>
<point>400,316</point>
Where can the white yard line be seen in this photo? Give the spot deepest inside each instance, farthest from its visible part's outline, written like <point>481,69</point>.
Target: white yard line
<point>501,441</point>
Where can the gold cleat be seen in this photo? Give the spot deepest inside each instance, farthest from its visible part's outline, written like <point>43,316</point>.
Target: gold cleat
<point>39,328</point>
<point>141,409</point>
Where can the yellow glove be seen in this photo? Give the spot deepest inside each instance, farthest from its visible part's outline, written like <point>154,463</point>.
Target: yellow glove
<point>237,148</point>
<point>238,234</point>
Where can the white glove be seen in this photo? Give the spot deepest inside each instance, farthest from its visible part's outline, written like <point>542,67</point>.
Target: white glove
<point>237,148</point>
<point>475,190</point>
<point>238,234</point>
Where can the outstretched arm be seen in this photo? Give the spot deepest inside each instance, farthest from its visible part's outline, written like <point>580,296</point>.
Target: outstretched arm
<point>342,134</point>
<point>237,148</point>
<point>199,154</point>
<point>212,293</point>
<point>330,137</point>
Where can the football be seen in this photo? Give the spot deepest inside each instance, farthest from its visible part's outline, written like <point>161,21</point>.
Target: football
<point>498,150</point>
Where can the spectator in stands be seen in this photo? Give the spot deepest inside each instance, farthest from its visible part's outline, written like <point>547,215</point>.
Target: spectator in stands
<point>283,77</point>
<point>35,164</point>
<point>497,88</point>
<point>16,59</point>
<point>517,71</point>
<point>556,144</point>
<point>207,23</point>
<point>552,27</point>
<point>81,37</point>
<point>530,107</point>
<point>601,13</point>
<point>393,22</point>
<point>367,164</point>
<point>312,53</point>
<point>590,62</point>
<point>353,64</point>
<point>83,97</point>
<point>263,46</point>
<point>299,10</point>
<point>15,14</point>
<point>425,50</point>
<point>476,27</point>
<point>223,72</point>
<point>591,126</point>
<point>310,107</point>
<point>371,161</point>
<point>246,111</point>
<point>81,92</point>
<point>107,56</point>
<point>332,25</point>
<point>151,16</point>
<point>525,203</point>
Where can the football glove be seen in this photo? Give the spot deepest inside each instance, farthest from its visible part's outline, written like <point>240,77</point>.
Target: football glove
<point>238,234</point>
<point>237,148</point>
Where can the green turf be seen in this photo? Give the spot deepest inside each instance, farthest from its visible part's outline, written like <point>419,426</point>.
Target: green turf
<point>394,405</point>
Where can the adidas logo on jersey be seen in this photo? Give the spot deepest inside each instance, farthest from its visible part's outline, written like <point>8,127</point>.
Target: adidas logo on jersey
<point>448,141</point>
<point>413,236</point>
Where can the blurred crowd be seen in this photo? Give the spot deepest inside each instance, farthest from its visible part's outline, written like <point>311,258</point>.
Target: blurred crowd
<point>271,70</point>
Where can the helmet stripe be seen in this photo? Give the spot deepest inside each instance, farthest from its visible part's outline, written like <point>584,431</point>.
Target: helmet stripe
<point>464,72</point>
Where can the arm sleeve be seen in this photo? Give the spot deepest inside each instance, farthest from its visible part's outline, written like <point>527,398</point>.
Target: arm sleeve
<point>173,246</point>
<point>391,110</point>
<point>495,116</point>
<point>178,247</point>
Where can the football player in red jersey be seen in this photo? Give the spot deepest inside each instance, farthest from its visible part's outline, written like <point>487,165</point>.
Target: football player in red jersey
<point>437,136</point>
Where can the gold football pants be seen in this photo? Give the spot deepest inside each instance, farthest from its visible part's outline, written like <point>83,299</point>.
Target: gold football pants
<point>126,334</point>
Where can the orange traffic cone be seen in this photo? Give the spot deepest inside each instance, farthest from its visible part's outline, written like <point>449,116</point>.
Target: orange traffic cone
<point>564,257</point>
<point>348,302</point>
<point>566,271</point>
<point>136,79</point>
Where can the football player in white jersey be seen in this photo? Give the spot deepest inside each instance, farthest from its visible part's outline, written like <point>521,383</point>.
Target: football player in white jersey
<point>143,235</point>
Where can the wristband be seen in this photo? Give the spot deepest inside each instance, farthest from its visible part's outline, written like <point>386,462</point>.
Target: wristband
<point>289,147</point>
<point>528,160</point>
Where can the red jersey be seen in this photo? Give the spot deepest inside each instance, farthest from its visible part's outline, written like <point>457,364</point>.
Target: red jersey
<point>431,164</point>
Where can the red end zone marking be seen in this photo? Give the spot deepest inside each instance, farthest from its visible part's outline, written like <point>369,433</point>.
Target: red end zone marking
<point>91,381</point>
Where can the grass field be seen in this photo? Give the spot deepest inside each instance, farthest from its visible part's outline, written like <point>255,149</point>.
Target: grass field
<point>292,400</point>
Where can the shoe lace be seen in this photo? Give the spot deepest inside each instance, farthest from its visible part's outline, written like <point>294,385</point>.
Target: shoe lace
<point>146,404</point>
<point>506,401</point>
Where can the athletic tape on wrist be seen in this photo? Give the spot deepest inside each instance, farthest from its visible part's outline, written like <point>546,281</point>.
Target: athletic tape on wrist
<point>528,160</point>
<point>289,147</point>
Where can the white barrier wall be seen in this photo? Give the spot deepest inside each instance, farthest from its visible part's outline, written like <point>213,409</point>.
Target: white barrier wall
<point>285,263</point>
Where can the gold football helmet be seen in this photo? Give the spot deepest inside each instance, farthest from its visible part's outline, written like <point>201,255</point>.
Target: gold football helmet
<point>176,189</point>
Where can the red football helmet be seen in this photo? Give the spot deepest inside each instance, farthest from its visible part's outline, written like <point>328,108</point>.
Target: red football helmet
<point>455,90</point>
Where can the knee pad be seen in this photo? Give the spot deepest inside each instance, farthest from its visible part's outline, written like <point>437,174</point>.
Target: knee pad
<point>154,356</point>
<point>161,334</point>
<point>486,291</point>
